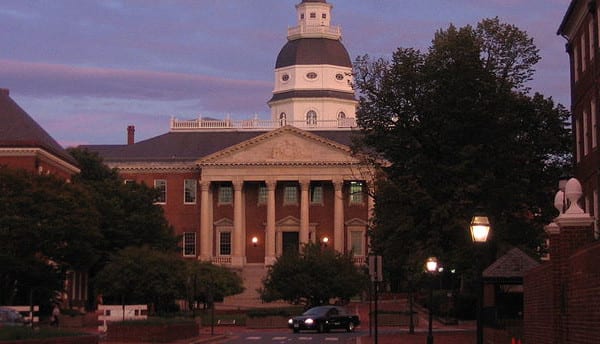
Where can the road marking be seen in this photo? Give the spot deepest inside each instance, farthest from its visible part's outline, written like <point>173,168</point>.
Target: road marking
<point>253,338</point>
<point>333,339</point>
<point>305,338</point>
<point>279,338</point>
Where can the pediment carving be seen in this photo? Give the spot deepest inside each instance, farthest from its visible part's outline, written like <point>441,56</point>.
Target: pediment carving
<point>285,145</point>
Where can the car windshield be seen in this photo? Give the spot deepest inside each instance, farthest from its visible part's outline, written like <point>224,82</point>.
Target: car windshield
<point>317,311</point>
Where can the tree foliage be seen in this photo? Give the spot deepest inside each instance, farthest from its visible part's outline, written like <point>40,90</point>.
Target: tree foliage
<point>148,276</point>
<point>47,226</point>
<point>207,283</point>
<point>458,131</point>
<point>312,277</point>
<point>142,275</point>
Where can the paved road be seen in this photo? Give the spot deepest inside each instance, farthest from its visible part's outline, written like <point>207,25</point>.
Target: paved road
<point>291,338</point>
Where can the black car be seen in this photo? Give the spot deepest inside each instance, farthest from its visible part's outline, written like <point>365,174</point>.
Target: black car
<point>323,319</point>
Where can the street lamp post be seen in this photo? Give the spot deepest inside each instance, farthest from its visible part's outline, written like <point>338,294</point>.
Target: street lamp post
<point>480,228</point>
<point>432,267</point>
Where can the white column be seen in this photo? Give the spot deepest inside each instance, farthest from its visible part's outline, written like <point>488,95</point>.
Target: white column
<point>338,215</point>
<point>270,233</point>
<point>237,259</point>
<point>206,228</point>
<point>304,215</point>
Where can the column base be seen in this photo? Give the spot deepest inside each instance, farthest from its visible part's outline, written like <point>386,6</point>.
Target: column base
<point>270,260</point>
<point>238,261</point>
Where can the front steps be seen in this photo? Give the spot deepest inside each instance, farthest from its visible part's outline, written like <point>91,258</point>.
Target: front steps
<point>252,276</point>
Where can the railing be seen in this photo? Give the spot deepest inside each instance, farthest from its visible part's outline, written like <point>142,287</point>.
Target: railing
<point>222,260</point>
<point>334,32</point>
<point>359,260</point>
<point>258,124</point>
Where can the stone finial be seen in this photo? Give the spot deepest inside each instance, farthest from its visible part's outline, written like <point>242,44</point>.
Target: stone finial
<point>559,201</point>
<point>573,194</point>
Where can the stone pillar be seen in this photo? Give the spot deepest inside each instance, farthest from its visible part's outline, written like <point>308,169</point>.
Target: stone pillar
<point>571,230</point>
<point>338,215</point>
<point>304,214</point>
<point>237,258</point>
<point>206,228</point>
<point>270,233</point>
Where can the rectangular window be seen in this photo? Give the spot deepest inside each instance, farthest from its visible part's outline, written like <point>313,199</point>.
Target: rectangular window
<point>583,52</point>
<point>594,123</point>
<point>576,62</point>
<point>596,212</point>
<point>290,195</point>
<point>324,15</point>
<point>591,38</point>
<point>225,243</point>
<point>225,194</point>
<point>577,140</point>
<point>161,186</point>
<point>316,194</point>
<point>356,193</point>
<point>189,190</point>
<point>586,133</point>
<point>189,244</point>
<point>313,15</point>
<point>262,194</point>
<point>356,243</point>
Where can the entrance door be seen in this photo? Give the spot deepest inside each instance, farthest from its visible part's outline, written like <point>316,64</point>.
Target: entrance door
<point>290,242</point>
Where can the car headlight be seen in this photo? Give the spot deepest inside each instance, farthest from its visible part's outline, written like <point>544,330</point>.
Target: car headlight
<point>309,321</point>
<point>290,321</point>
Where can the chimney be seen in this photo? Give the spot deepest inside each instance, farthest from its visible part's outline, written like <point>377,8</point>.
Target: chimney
<point>130,134</point>
<point>4,91</point>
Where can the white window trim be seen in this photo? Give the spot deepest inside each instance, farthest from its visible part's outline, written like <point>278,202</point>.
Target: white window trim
<point>225,230</point>
<point>184,244</point>
<point>219,201</point>
<point>155,186</point>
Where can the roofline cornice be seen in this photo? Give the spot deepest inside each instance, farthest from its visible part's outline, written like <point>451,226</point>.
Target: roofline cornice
<point>34,151</point>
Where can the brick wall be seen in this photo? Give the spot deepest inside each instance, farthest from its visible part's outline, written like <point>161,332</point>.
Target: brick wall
<point>562,296</point>
<point>537,305</point>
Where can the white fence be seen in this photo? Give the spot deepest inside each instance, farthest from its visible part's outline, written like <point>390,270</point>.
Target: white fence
<point>107,313</point>
<point>26,312</point>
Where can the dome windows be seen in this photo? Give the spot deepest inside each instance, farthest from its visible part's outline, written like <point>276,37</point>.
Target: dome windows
<point>285,77</point>
<point>311,75</point>
<point>311,118</point>
<point>339,76</point>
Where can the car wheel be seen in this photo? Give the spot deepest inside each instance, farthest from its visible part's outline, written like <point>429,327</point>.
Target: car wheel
<point>321,328</point>
<point>350,327</point>
<point>296,330</point>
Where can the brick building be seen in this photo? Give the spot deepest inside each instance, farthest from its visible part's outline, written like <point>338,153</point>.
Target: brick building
<point>242,192</point>
<point>561,296</point>
<point>580,27</point>
<point>24,144</point>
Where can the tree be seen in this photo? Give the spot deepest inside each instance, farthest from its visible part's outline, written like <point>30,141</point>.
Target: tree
<point>47,227</point>
<point>130,218</point>
<point>312,277</point>
<point>143,275</point>
<point>207,283</point>
<point>458,131</point>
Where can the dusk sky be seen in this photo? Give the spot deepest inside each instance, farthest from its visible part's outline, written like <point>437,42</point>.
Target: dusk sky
<point>85,69</point>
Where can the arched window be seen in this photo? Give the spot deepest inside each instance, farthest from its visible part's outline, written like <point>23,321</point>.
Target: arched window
<point>311,118</point>
<point>282,119</point>
<point>341,115</point>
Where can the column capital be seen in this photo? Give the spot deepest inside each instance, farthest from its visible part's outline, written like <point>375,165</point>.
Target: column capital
<point>204,185</point>
<point>237,184</point>
<point>338,183</point>
<point>304,183</point>
<point>271,184</point>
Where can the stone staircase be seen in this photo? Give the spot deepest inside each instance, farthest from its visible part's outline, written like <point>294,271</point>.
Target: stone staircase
<point>252,275</point>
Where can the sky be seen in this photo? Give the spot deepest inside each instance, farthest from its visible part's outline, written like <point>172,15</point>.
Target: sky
<point>86,69</point>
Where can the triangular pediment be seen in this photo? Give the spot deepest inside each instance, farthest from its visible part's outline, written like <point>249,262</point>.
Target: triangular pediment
<point>286,145</point>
